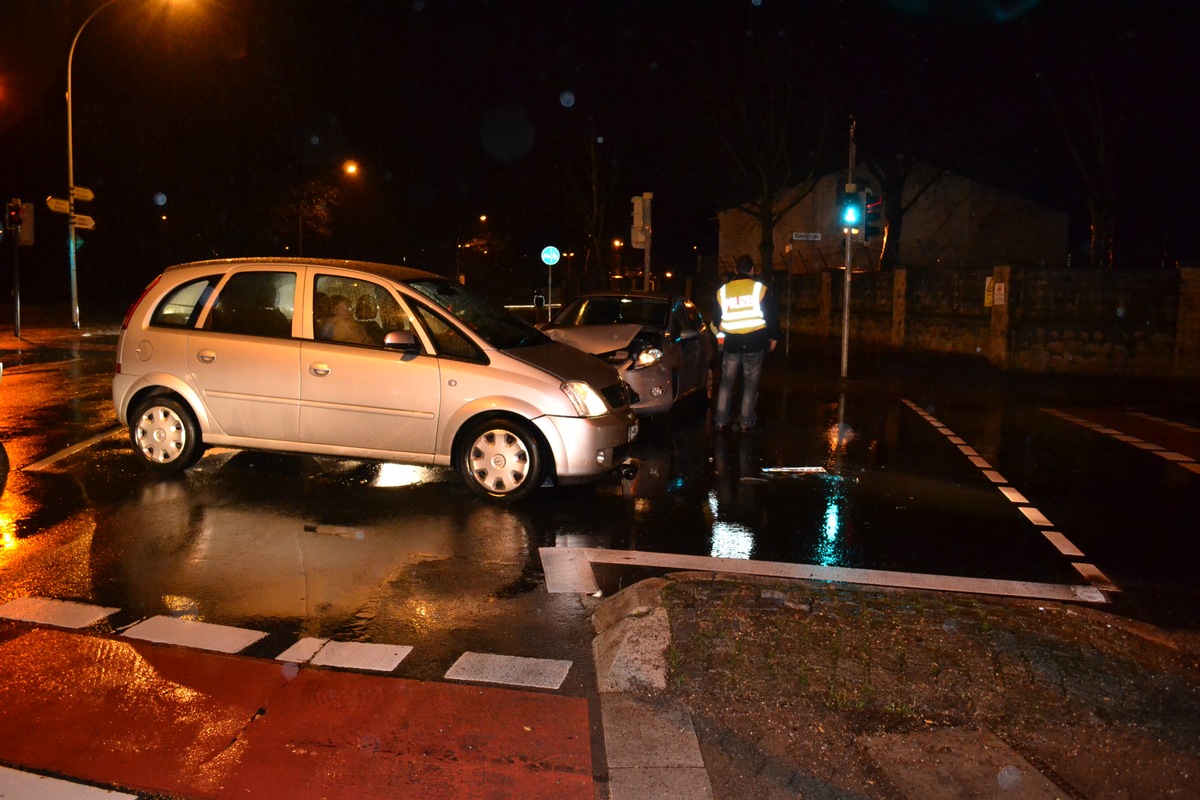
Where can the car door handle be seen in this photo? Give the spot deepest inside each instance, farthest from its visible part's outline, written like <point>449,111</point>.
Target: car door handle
<point>320,369</point>
<point>206,356</point>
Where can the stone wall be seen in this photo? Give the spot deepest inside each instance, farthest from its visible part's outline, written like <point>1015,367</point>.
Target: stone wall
<point>1127,324</point>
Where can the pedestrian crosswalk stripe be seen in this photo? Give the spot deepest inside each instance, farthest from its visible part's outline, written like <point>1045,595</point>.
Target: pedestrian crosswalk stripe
<point>542,673</point>
<point>190,633</point>
<point>361,655</point>
<point>372,656</point>
<point>17,783</point>
<point>60,613</point>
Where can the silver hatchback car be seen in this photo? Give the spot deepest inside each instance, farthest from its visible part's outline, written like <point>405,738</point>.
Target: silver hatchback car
<point>362,361</point>
<point>659,343</point>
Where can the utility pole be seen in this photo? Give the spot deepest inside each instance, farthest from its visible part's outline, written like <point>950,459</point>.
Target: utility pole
<point>850,187</point>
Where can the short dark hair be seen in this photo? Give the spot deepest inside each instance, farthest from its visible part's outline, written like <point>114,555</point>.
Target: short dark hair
<point>744,265</point>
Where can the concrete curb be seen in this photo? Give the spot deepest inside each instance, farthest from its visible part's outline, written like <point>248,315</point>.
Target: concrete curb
<point>651,744</point>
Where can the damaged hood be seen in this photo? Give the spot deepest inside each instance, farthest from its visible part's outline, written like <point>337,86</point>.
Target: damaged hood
<point>595,339</point>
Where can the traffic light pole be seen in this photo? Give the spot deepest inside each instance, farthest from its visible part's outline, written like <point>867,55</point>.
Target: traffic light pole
<point>846,280</point>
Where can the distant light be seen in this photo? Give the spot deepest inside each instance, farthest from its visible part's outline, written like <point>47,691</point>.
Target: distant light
<point>567,99</point>
<point>350,167</point>
<point>160,199</point>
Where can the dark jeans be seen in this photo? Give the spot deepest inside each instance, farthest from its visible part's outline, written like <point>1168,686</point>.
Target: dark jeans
<point>750,365</point>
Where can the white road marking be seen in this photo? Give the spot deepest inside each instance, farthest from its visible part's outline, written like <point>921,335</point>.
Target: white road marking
<point>27,786</point>
<point>1013,495</point>
<point>302,650</point>
<point>866,577</point>
<point>1035,516</point>
<point>1063,544</point>
<point>50,461</point>
<point>1185,461</point>
<point>567,570</point>
<point>361,655</point>
<point>190,633</point>
<point>60,613</point>
<point>1096,577</point>
<point>541,673</point>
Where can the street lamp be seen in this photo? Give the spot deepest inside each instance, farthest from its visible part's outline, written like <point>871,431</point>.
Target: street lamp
<point>71,165</point>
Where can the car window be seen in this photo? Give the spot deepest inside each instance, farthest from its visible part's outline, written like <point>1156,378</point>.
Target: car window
<point>489,320</point>
<point>255,304</point>
<point>181,307</point>
<point>448,340</point>
<point>354,311</point>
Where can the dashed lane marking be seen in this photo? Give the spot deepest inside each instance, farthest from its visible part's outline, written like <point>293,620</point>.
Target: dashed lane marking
<point>1097,579</point>
<point>190,633</point>
<point>541,673</point>
<point>1062,543</point>
<point>30,786</point>
<point>1183,460</point>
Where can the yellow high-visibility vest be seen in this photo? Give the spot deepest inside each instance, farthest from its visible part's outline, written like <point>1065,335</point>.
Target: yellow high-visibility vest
<point>741,306</point>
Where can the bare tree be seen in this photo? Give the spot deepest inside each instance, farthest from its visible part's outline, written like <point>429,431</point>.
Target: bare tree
<point>893,174</point>
<point>1093,99</point>
<point>769,131</point>
<point>588,193</point>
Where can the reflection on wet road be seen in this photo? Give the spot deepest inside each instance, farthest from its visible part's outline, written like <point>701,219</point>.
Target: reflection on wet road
<point>860,479</point>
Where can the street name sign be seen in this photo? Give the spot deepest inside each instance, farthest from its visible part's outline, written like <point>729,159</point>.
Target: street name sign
<point>83,221</point>
<point>82,193</point>
<point>798,236</point>
<point>58,205</point>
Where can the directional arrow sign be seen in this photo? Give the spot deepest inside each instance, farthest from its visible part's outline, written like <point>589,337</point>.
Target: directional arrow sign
<point>58,205</point>
<point>82,193</point>
<point>83,221</point>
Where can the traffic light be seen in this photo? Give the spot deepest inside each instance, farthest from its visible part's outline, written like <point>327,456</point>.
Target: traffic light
<point>872,220</point>
<point>12,215</point>
<point>852,210</point>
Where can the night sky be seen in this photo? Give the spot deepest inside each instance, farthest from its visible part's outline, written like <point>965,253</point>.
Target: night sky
<point>216,114</point>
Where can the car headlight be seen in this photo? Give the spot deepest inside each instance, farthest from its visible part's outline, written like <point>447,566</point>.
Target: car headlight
<point>587,401</point>
<point>647,358</point>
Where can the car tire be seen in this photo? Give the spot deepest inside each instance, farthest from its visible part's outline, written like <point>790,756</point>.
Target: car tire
<point>165,435</point>
<point>501,458</point>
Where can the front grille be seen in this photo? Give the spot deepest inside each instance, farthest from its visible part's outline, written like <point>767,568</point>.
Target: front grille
<point>619,395</point>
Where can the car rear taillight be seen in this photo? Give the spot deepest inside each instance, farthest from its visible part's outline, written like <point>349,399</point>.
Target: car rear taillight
<point>136,303</point>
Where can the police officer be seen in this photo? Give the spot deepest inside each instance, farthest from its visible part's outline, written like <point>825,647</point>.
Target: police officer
<point>747,328</point>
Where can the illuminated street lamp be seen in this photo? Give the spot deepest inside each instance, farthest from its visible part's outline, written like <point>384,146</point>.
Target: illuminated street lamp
<point>71,191</point>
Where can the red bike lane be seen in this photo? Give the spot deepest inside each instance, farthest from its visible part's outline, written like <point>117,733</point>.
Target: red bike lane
<point>194,724</point>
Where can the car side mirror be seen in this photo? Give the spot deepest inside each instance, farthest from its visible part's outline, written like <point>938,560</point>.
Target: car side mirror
<point>404,341</point>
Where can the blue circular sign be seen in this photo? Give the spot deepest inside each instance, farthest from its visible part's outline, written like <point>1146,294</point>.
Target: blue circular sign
<point>550,255</point>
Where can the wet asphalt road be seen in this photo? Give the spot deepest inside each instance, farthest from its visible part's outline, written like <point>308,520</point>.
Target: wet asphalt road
<point>873,473</point>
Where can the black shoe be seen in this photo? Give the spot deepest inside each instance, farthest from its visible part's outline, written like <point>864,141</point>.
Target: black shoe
<point>745,428</point>
<point>720,428</point>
